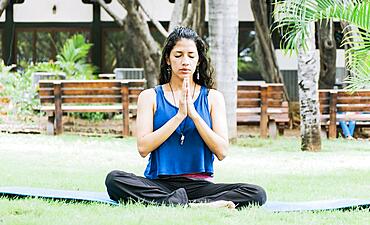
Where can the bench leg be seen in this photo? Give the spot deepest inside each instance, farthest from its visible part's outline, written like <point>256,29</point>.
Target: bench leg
<point>58,123</point>
<point>272,129</point>
<point>126,125</point>
<point>264,127</point>
<point>50,125</point>
<point>281,127</point>
<point>332,130</point>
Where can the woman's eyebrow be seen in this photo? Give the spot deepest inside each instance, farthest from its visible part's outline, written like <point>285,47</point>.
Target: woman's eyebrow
<point>179,51</point>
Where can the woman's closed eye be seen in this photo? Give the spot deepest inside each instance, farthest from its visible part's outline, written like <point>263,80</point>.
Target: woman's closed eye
<point>190,56</point>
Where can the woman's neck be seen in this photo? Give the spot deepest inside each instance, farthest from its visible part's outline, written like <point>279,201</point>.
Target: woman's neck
<point>176,84</point>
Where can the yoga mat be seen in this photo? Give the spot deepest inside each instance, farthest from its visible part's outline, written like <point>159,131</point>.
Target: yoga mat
<point>88,196</point>
<point>339,204</point>
<point>102,197</point>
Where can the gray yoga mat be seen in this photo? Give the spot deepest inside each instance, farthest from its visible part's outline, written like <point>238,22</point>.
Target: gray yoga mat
<point>338,204</point>
<point>102,197</point>
<point>87,196</point>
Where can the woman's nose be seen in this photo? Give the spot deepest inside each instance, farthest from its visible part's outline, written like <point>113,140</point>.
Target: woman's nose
<point>185,61</point>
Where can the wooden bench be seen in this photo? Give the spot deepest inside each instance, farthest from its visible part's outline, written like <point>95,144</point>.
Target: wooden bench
<point>263,104</point>
<point>334,101</point>
<point>59,96</point>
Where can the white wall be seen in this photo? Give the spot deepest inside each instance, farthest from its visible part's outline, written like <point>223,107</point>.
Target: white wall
<point>162,9</point>
<point>41,11</point>
<point>245,11</point>
<point>76,11</point>
<point>116,8</point>
<point>159,9</point>
<point>287,62</point>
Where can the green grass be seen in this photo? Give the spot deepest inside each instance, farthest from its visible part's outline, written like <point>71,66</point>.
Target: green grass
<point>340,170</point>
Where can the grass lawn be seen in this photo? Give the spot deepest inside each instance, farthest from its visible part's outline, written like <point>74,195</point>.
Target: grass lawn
<point>340,170</point>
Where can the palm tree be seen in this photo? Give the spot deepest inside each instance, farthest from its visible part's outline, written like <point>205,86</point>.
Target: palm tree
<point>308,78</point>
<point>294,17</point>
<point>223,33</point>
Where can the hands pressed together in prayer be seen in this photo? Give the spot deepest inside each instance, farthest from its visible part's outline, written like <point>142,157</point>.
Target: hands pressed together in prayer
<point>186,106</point>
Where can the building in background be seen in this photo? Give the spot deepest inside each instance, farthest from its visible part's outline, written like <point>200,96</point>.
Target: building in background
<point>33,31</point>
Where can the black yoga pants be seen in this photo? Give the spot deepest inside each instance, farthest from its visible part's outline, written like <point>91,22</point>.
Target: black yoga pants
<point>178,190</point>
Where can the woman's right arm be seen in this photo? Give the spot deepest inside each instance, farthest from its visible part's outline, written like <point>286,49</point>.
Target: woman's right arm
<point>147,140</point>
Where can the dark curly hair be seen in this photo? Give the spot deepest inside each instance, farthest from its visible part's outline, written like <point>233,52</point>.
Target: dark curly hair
<point>205,68</point>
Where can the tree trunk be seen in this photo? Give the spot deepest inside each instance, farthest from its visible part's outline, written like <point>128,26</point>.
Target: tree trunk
<point>117,19</point>
<point>195,18</point>
<point>199,23</point>
<point>308,75</point>
<point>177,14</point>
<point>215,29</point>
<point>147,46</point>
<point>328,54</point>
<point>223,30</point>
<point>155,22</point>
<point>266,52</point>
<point>3,5</point>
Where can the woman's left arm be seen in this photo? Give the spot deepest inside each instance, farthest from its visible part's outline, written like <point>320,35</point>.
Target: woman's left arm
<point>216,138</point>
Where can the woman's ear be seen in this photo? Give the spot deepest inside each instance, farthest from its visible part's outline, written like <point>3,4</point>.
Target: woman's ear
<point>168,61</point>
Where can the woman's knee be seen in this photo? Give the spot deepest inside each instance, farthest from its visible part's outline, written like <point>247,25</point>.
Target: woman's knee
<point>257,195</point>
<point>111,178</point>
<point>260,196</point>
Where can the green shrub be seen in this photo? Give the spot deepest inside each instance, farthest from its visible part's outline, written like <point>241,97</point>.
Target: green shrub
<point>92,116</point>
<point>18,88</point>
<point>71,60</point>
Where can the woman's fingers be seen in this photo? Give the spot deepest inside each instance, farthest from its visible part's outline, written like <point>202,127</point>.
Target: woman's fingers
<point>182,100</point>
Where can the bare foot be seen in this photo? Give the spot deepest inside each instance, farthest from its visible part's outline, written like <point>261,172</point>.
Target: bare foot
<point>216,204</point>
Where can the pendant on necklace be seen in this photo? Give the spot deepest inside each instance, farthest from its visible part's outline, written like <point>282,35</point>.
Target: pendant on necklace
<point>182,139</point>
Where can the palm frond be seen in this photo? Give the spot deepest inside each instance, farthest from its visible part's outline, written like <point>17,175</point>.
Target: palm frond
<point>292,17</point>
<point>297,14</point>
<point>359,79</point>
<point>75,49</point>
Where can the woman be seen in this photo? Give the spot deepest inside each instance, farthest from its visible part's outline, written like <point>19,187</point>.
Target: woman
<point>182,125</point>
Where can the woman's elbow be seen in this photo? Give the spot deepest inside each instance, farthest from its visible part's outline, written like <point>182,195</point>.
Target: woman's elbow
<point>142,150</point>
<point>221,157</point>
<point>143,153</point>
<point>222,153</point>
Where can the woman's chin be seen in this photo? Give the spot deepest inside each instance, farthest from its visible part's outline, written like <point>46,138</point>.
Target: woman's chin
<point>184,75</point>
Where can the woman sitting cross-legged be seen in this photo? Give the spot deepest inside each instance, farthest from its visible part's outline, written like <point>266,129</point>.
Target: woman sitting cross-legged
<point>182,125</point>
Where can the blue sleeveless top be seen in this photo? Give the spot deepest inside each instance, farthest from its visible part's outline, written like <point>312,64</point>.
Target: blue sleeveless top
<point>171,158</point>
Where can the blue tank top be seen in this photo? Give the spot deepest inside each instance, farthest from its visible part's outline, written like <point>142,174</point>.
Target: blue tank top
<point>171,158</point>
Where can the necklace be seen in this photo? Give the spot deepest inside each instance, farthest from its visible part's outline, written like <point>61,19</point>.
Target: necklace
<point>182,138</point>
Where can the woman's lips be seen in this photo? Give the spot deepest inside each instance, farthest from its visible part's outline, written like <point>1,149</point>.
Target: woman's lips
<point>185,71</point>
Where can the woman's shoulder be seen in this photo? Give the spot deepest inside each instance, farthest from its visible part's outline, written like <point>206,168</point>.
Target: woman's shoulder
<point>213,93</point>
<point>147,94</point>
<point>215,96</point>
